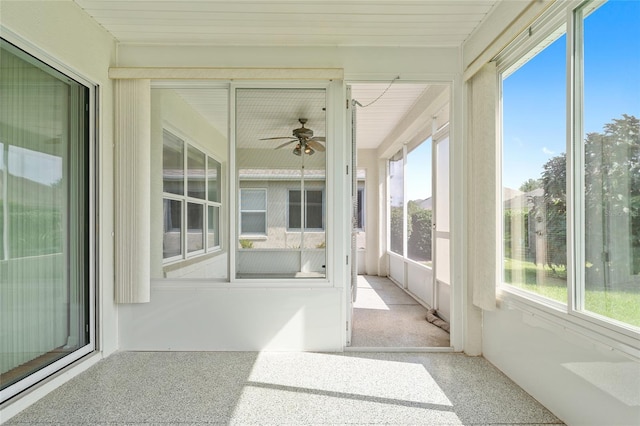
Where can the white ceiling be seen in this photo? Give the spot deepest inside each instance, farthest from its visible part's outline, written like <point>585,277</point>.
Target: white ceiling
<point>381,110</point>
<point>427,23</point>
<point>433,23</point>
<point>271,113</point>
<point>268,113</point>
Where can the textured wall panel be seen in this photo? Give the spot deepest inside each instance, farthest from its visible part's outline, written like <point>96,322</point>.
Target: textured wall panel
<point>132,183</point>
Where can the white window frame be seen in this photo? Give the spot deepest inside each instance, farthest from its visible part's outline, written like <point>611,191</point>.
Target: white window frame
<point>390,252</point>
<point>264,211</point>
<point>303,201</point>
<point>217,204</point>
<point>622,338</point>
<point>185,199</point>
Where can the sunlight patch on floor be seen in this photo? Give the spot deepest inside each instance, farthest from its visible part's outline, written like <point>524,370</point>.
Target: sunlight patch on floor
<point>385,380</point>
<point>369,299</point>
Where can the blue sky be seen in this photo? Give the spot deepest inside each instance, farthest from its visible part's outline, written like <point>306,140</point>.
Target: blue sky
<point>534,97</point>
<point>418,172</point>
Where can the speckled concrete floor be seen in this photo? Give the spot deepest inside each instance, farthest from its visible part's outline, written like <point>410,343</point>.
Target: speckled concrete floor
<point>384,315</point>
<point>142,388</point>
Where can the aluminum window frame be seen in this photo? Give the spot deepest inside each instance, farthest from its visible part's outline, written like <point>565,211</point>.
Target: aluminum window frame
<point>624,339</point>
<point>303,200</point>
<point>92,221</point>
<point>243,235</point>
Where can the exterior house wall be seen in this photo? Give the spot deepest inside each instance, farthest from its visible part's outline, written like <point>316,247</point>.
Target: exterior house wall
<point>278,234</point>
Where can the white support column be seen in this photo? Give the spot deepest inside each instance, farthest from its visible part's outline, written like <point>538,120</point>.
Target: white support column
<point>132,188</point>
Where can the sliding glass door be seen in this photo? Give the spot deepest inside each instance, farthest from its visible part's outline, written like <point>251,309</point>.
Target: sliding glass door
<point>45,255</point>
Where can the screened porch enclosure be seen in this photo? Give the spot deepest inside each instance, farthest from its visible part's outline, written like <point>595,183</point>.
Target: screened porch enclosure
<point>280,182</point>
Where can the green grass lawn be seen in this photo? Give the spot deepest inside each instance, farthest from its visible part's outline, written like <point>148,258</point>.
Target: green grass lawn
<point>619,305</point>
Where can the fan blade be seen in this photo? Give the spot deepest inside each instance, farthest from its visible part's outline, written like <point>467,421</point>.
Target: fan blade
<point>279,137</point>
<point>285,144</point>
<point>318,138</point>
<point>316,145</point>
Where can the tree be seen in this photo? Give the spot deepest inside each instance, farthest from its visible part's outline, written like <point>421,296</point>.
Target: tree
<point>611,191</point>
<point>419,243</point>
<point>612,200</point>
<point>530,184</point>
<point>395,232</point>
<point>554,203</point>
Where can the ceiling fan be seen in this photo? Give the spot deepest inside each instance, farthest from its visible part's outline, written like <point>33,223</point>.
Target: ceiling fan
<point>303,138</point>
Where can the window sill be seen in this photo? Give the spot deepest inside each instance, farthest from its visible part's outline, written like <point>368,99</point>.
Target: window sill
<point>253,237</point>
<point>245,283</point>
<point>556,316</point>
<point>181,263</point>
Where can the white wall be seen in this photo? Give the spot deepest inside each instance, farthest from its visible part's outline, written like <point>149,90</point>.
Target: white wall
<point>199,317</point>
<point>581,381</point>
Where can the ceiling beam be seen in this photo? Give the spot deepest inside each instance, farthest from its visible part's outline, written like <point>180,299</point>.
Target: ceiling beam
<point>162,73</point>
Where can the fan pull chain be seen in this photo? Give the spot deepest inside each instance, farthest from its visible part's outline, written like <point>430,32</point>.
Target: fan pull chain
<point>355,102</point>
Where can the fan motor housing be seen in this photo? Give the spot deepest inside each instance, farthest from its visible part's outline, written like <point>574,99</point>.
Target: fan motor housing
<point>303,133</point>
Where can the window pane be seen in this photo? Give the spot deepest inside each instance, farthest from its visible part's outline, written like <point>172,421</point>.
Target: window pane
<point>253,206</point>
<point>195,227</point>
<point>172,237</point>
<point>281,146</point>
<point>419,206</point>
<point>173,164</point>
<point>44,212</point>
<point>361,236</point>
<point>360,212</point>
<point>252,223</point>
<point>195,173</point>
<point>534,173</point>
<point>612,161</point>
<point>314,210</point>
<point>213,227</point>
<point>253,199</point>
<point>396,202</point>
<point>294,209</point>
<point>213,176</point>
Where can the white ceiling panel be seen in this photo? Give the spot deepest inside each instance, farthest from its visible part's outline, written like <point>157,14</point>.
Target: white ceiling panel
<point>291,22</point>
<point>269,113</point>
<point>381,110</point>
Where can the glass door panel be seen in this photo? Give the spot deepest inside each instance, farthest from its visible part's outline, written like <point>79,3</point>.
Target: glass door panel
<point>44,217</point>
